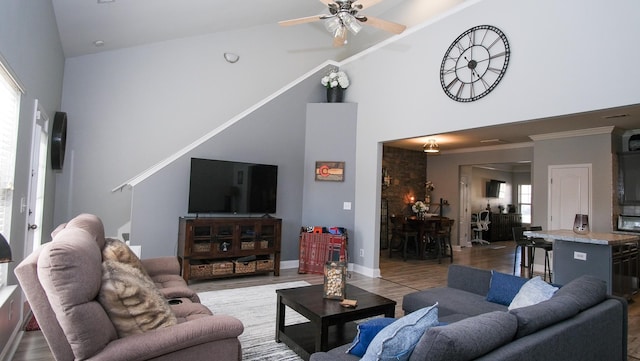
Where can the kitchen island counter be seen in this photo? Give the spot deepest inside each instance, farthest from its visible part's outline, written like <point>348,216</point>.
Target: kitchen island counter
<point>612,257</point>
<point>606,239</point>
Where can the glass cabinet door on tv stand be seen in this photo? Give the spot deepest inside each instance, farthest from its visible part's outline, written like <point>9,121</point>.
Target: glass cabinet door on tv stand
<point>228,246</point>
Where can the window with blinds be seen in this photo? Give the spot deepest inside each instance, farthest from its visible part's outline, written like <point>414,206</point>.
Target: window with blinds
<point>9,112</point>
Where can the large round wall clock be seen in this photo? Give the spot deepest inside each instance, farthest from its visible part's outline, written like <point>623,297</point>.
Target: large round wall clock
<point>58,140</point>
<point>474,63</point>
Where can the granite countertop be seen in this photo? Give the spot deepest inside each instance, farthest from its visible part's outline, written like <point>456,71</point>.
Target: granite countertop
<point>607,239</point>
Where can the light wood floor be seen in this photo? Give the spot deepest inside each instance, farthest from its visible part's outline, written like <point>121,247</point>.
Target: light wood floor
<point>398,278</point>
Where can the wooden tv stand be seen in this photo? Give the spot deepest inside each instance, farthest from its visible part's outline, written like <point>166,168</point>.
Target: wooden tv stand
<point>217,247</point>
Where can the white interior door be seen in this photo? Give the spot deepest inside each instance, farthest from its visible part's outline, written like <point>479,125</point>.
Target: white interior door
<point>35,200</point>
<point>569,194</point>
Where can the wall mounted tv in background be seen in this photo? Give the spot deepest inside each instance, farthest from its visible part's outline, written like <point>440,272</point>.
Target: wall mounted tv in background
<point>219,186</point>
<point>493,188</point>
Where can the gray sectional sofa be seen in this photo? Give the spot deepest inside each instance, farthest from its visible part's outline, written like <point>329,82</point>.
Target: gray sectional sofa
<point>579,322</point>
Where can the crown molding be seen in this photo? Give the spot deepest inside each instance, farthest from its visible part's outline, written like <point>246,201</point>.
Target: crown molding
<point>573,133</point>
<point>488,148</point>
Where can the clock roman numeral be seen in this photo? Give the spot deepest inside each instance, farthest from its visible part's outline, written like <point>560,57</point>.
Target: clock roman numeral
<point>449,70</point>
<point>470,37</point>
<point>484,82</point>
<point>452,83</point>
<point>492,44</point>
<point>454,59</point>
<point>459,92</point>
<point>484,36</point>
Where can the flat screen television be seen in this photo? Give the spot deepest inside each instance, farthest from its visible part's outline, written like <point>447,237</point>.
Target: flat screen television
<point>219,186</point>
<point>493,188</point>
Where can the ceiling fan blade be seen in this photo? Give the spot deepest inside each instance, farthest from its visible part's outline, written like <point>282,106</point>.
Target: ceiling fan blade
<point>326,2</point>
<point>384,25</point>
<point>366,3</point>
<point>308,19</point>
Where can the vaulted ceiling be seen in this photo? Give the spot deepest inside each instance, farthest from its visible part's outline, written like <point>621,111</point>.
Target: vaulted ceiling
<point>125,23</point>
<point>116,24</point>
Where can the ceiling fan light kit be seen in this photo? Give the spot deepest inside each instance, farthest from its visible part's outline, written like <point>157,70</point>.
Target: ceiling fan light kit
<point>343,15</point>
<point>332,24</point>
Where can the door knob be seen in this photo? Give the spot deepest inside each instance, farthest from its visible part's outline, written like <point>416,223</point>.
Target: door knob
<point>32,227</point>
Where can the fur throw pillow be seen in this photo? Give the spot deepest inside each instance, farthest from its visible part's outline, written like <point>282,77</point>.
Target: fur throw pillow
<point>116,250</point>
<point>132,300</point>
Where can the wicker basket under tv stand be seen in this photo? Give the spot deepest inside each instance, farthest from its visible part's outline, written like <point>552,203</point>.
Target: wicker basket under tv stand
<point>211,247</point>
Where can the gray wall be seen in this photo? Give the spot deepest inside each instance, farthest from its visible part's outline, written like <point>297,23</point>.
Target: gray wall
<point>479,181</point>
<point>330,135</point>
<point>444,171</point>
<point>272,134</point>
<point>30,46</point>
<point>591,149</point>
<point>132,108</point>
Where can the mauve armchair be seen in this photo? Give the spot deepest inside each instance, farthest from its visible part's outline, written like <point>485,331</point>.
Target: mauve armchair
<point>62,282</point>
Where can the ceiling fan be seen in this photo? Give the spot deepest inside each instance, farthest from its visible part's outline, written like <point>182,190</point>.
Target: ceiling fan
<point>343,15</point>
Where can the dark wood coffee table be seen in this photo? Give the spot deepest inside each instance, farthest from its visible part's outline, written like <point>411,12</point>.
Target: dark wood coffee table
<point>330,325</point>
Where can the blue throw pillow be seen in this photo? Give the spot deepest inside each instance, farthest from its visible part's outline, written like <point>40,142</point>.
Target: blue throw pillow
<point>397,341</point>
<point>504,287</point>
<point>366,332</point>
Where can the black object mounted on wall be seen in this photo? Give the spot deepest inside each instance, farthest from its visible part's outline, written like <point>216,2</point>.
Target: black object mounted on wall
<point>493,188</point>
<point>5,250</point>
<point>474,63</point>
<point>58,140</point>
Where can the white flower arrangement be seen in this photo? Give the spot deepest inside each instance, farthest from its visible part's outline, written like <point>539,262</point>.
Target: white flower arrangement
<point>419,207</point>
<point>335,79</point>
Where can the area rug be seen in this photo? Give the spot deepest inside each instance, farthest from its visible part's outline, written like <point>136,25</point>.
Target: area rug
<point>256,308</point>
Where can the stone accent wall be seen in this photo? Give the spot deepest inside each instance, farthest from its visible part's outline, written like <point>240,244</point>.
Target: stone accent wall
<point>407,169</point>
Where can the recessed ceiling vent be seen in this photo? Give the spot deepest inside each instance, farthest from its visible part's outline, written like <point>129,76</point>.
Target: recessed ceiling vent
<point>492,141</point>
<point>615,116</point>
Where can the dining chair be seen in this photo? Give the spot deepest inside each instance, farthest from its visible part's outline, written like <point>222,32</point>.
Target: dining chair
<point>443,237</point>
<point>402,234</point>
<point>428,235</point>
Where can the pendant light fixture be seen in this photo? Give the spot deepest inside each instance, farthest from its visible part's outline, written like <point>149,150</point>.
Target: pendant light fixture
<point>431,146</point>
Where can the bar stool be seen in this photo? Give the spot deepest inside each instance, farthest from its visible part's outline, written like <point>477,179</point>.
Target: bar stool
<point>525,246</point>
<point>530,245</point>
<point>541,243</point>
